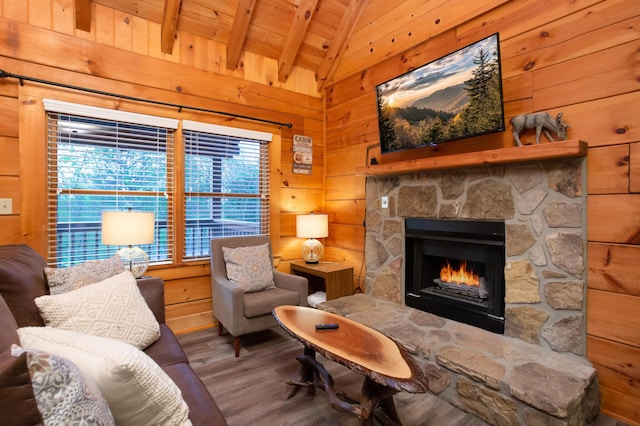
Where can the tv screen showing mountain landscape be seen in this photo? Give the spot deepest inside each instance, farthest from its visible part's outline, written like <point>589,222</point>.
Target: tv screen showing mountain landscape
<point>454,97</point>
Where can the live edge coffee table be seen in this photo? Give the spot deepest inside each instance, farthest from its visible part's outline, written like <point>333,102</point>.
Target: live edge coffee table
<point>387,368</point>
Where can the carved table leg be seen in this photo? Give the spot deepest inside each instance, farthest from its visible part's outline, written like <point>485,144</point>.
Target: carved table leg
<point>312,373</point>
<point>304,376</point>
<point>389,407</point>
<point>374,394</point>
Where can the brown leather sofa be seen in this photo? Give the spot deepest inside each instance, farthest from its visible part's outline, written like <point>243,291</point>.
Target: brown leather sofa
<point>22,279</point>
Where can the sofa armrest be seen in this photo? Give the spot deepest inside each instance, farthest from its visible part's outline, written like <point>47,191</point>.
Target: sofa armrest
<point>17,402</point>
<point>293,283</point>
<point>152,289</point>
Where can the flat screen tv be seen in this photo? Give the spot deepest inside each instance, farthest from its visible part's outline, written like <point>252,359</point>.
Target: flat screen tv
<point>457,96</point>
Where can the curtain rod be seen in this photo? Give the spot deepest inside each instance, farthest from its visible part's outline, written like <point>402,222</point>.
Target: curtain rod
<point>21,78</point>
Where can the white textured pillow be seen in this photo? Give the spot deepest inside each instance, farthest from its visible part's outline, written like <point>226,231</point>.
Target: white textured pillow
<point>249,267</point>
<point>111,308</point>
<point>63,395</point>
<point>61,280</point>
<point>136,388</point>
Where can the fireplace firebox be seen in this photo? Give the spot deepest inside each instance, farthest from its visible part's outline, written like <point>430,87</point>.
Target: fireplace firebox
<point>455,269</point>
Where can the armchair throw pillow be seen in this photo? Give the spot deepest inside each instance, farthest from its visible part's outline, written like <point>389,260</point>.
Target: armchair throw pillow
<point>111,308</point>
<point>250,267</point>
<point>62,280</point>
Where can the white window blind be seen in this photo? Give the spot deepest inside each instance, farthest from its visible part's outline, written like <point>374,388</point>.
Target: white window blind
<point>226,185</point>
<point>104,160</point>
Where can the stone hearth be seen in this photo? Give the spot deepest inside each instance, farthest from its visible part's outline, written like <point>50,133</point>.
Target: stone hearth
<point>543,206</point>
<point>502,380</point>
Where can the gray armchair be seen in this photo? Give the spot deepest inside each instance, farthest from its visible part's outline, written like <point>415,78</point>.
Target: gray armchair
<point>242,313</point>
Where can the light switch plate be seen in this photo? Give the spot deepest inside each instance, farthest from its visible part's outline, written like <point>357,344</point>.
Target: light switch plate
<point>384,202</point>
<point>6,206</point>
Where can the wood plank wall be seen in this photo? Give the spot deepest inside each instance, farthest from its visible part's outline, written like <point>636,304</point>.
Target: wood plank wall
<point>121,54</point>
<point>580,57</point>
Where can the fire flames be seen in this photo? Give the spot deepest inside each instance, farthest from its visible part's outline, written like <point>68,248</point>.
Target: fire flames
<point>460,275</point>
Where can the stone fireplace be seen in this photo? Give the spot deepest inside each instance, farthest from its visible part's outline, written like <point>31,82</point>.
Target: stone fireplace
<point>455,269</point>
<point>542,206</point>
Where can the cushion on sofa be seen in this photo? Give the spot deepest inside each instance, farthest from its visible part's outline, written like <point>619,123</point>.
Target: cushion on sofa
<point>137,389</point>
<point>62,280</point>
<point>63,395</point>
<point>250,267</point>
<point>111,308</point>
<point>21,281</point>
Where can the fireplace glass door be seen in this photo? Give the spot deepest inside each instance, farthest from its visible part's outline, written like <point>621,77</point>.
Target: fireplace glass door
<point>455,269</point>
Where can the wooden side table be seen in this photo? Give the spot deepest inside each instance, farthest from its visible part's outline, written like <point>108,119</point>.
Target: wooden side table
<point>335,279</point>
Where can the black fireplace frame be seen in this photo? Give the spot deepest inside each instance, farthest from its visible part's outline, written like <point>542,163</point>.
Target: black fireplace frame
<point>463,237</point>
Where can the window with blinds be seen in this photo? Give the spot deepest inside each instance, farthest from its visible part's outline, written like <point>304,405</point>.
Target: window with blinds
<point>105,160</point>
<point>226,189</point>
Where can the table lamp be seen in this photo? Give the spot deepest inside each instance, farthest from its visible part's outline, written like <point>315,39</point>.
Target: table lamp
<point>129,228</point>
<point>312,226</point>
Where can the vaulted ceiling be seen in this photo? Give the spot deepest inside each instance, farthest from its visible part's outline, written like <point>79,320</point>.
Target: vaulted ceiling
<point>311,34</point>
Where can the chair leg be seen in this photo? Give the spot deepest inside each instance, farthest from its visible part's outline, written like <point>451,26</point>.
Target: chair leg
<point>220,329</point>
<point>236,345</point>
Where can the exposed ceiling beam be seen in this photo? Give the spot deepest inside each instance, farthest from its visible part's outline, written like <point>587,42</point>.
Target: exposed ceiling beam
<point>239,32</point>
<point>296,34</point>
<point>169,25</point>
<point>339,44</point>
<point>83,15</point>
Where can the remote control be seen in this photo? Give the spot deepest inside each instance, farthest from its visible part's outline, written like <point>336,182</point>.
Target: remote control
<point>330,326</point>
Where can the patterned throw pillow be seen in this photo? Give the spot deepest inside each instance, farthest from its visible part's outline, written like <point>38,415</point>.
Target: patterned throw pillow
<point>138,391</point>
<point>111,308</point>
<point>62,280</point>
<point>249,267</point>
<point>63,395</point>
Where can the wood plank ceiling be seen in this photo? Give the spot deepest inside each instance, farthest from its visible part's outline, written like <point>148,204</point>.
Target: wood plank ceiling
<point>311,34</point>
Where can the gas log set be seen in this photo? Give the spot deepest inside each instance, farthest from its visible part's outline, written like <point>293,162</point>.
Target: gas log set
<point>455,269</point>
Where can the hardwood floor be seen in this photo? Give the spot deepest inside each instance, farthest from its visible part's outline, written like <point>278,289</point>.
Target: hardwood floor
<point>251,389</point>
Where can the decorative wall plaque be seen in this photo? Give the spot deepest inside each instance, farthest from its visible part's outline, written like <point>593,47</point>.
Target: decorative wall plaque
<point>302,154</point>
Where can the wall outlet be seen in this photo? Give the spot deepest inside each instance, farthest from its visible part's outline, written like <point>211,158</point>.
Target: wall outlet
<point>384,202</point>
<point>6,206</point>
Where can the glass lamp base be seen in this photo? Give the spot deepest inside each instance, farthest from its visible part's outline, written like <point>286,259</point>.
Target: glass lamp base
<point>312,250</point>
<point>134,259</point>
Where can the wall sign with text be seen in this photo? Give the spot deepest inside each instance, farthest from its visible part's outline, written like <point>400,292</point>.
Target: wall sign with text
<point>302,154</point>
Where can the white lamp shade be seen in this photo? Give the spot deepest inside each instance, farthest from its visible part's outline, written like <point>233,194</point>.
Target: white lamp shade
<point>127,228</point>
<point>312,226</point>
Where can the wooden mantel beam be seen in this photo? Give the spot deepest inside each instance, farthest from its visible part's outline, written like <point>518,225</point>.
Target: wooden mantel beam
<point>297,31</point>
<point>169,25</point>
<point>339,43</point>
<point>83,15</point>
<point>518,154</point>
<point>244,13</point>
